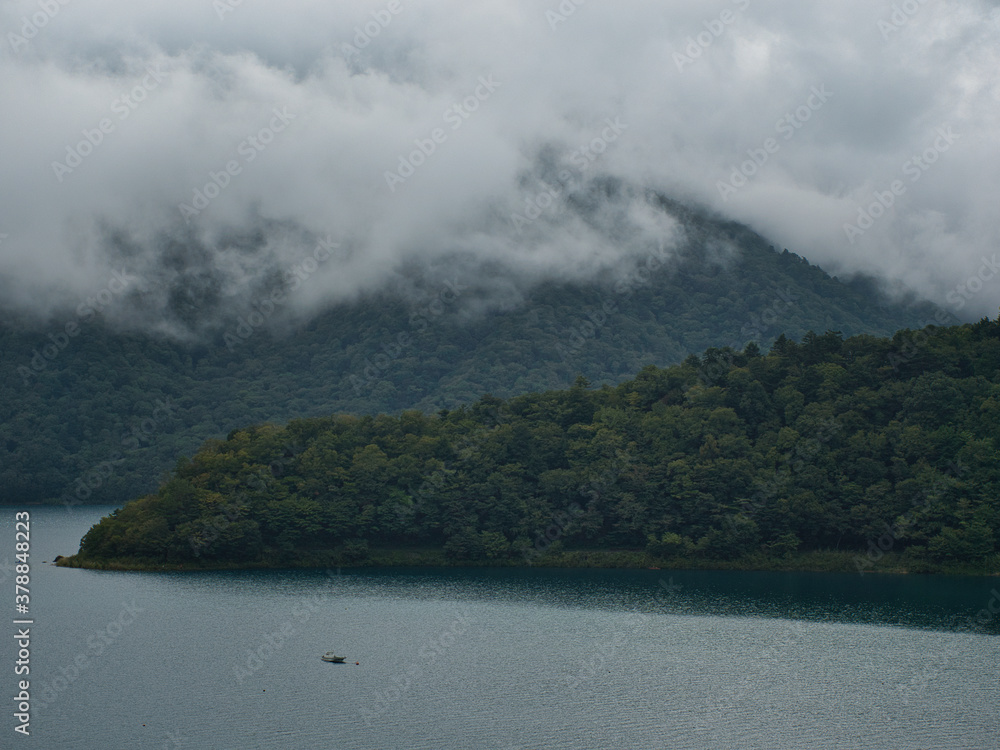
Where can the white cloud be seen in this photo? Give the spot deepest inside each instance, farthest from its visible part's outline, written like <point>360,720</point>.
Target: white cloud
<point>355,117</point>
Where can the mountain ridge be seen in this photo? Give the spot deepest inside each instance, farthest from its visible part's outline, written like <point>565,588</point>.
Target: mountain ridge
<point>110,412</point>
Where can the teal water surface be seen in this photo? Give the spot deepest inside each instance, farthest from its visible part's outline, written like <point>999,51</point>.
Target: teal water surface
<point>497,658</point>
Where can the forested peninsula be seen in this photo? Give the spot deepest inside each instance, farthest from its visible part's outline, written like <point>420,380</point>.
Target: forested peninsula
<point>868,454</point>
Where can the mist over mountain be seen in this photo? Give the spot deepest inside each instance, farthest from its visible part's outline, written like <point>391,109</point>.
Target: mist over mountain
<point>205,150</point>
<point>94,411</point>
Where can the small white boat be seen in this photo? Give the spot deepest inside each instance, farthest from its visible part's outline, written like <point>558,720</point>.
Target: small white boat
<point>332,657</point>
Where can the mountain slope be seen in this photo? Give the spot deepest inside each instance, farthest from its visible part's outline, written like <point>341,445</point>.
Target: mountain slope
<point>106,416</point>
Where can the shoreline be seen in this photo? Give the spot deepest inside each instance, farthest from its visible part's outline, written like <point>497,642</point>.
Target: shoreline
<point>808,562</point>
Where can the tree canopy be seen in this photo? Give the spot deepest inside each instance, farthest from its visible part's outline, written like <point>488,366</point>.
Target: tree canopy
<point>861,444</point>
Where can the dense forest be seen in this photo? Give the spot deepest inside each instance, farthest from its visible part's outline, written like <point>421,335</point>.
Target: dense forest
<point>861,447</point>
<point>102,416</point>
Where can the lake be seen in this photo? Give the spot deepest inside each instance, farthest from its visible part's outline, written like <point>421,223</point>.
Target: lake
<point>497,658</point>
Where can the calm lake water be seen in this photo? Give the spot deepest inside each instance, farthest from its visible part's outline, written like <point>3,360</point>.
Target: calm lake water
<point>505,659</point>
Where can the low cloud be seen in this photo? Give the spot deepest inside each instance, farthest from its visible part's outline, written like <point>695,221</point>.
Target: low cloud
<point>207,147</point>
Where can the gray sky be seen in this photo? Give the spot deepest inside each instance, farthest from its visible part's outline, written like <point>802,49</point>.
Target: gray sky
<point>862,135</point>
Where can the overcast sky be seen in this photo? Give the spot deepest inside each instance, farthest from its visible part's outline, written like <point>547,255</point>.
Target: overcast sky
<point>861,134</point>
